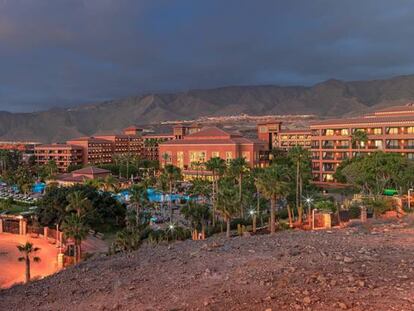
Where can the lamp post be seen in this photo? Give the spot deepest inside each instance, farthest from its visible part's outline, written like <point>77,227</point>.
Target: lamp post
<point>253,214</point>
<point>309,201</point>
<point>313,218</point>
<point>409,197</point>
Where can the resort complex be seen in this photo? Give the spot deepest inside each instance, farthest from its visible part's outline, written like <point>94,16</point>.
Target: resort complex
<point>113,193</point>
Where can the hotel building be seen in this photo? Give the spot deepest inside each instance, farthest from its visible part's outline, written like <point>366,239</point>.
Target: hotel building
<point>101,149</point>
<point>94,150</point>
<point>197,148</point>
<point>388,130</point>
<point>151,144</point>
<point>129,143</point>
<point>62,154</point>
<point>276,137</point>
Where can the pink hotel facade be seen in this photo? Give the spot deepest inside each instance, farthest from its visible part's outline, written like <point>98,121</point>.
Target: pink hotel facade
<point>389,130</point>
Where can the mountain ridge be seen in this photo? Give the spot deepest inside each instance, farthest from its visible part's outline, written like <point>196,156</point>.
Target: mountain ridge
<point>331,98</point>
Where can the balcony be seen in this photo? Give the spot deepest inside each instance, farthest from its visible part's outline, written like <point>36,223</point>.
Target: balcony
<point>393,147</point>
<point>342,147</point>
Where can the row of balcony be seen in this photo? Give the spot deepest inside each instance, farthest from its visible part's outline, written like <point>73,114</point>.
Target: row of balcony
<point>370,131</point>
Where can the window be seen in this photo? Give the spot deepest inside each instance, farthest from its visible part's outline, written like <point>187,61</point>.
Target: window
<point>344,132</point>
<point>180,159</point>
<point>327,177</point>
<point>377,131</point>
<point>329,132</point>
<point>392,144</point>
<point>229,156</point>
<point>197,156</point>
<point>215,154</point>
<point>410,130</point>
<point>246,155</point>
<point>378,143</point>
<point>263,129</point>
<point>392,130</point>
<point>344,144</point>
<point>410,156</point>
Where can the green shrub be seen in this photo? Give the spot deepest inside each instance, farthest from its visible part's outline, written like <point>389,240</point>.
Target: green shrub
<point>354,211</point>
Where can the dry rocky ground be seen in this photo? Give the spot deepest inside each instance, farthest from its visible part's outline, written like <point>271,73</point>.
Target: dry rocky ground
<point>362,267</point>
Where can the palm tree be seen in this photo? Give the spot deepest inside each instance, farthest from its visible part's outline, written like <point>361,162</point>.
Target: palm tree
<point>51,169</point>
<point>237,168</point>
<point>110,183</point>
<point>166,157</point>
<point>227,201</point>
<point>301,158</point>
<point>172,174</point>
<point>28,251</point>
<point>217,167</point>
<point>273,183</point>
<point>95,183</point>
<point>139,198</point>
<point>78,203</point>
<point>198,215</point>
<point>200,188</point>
<point>359,137</point>
<point>75,228</point>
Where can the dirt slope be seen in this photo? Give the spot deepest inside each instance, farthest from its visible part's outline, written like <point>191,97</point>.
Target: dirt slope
<point>359,268</point>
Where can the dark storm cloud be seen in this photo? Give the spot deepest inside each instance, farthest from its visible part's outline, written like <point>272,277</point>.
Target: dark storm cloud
<point>64,52</point>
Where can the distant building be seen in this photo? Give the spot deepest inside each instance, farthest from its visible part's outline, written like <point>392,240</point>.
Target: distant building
<point>288,138</point>
<point>130,143</point>
<point>151,142</point>
<point>195,149</point>
<point>390,130</point>
<point>277,137</point>
<point>80,176</point>
<point>26,148</point>
<point>94,150</point>
<point>62,154</point>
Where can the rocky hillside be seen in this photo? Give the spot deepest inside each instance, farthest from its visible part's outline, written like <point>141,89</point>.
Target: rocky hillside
<point>330,98</point>
<point>363,267</point>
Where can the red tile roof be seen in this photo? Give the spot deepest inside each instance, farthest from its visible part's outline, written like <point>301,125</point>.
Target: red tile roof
<point>133,128</point>
<point>91,170</point>
<point>209,132</point>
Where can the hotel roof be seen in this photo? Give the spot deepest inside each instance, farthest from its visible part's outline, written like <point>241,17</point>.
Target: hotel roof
<point>295,131</point>
<point>213,135</point>
<point>57,146</point>
<point>91,170</point>
<point>89,139</point>
<point>211,132</point>
<point>396,114</point>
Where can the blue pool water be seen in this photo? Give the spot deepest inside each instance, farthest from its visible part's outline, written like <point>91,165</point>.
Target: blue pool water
<point>153,196</point>
<point>38,187</point>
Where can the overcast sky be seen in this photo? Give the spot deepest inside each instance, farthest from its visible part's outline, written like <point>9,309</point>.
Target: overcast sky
<point>67,52</point>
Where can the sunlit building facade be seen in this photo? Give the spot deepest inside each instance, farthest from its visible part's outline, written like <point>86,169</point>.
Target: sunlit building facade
<point>63,155</point>
<point>193,150</point>
<point>388,130</point>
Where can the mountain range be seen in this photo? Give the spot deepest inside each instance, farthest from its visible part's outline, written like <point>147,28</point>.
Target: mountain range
<point>332,98</point>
